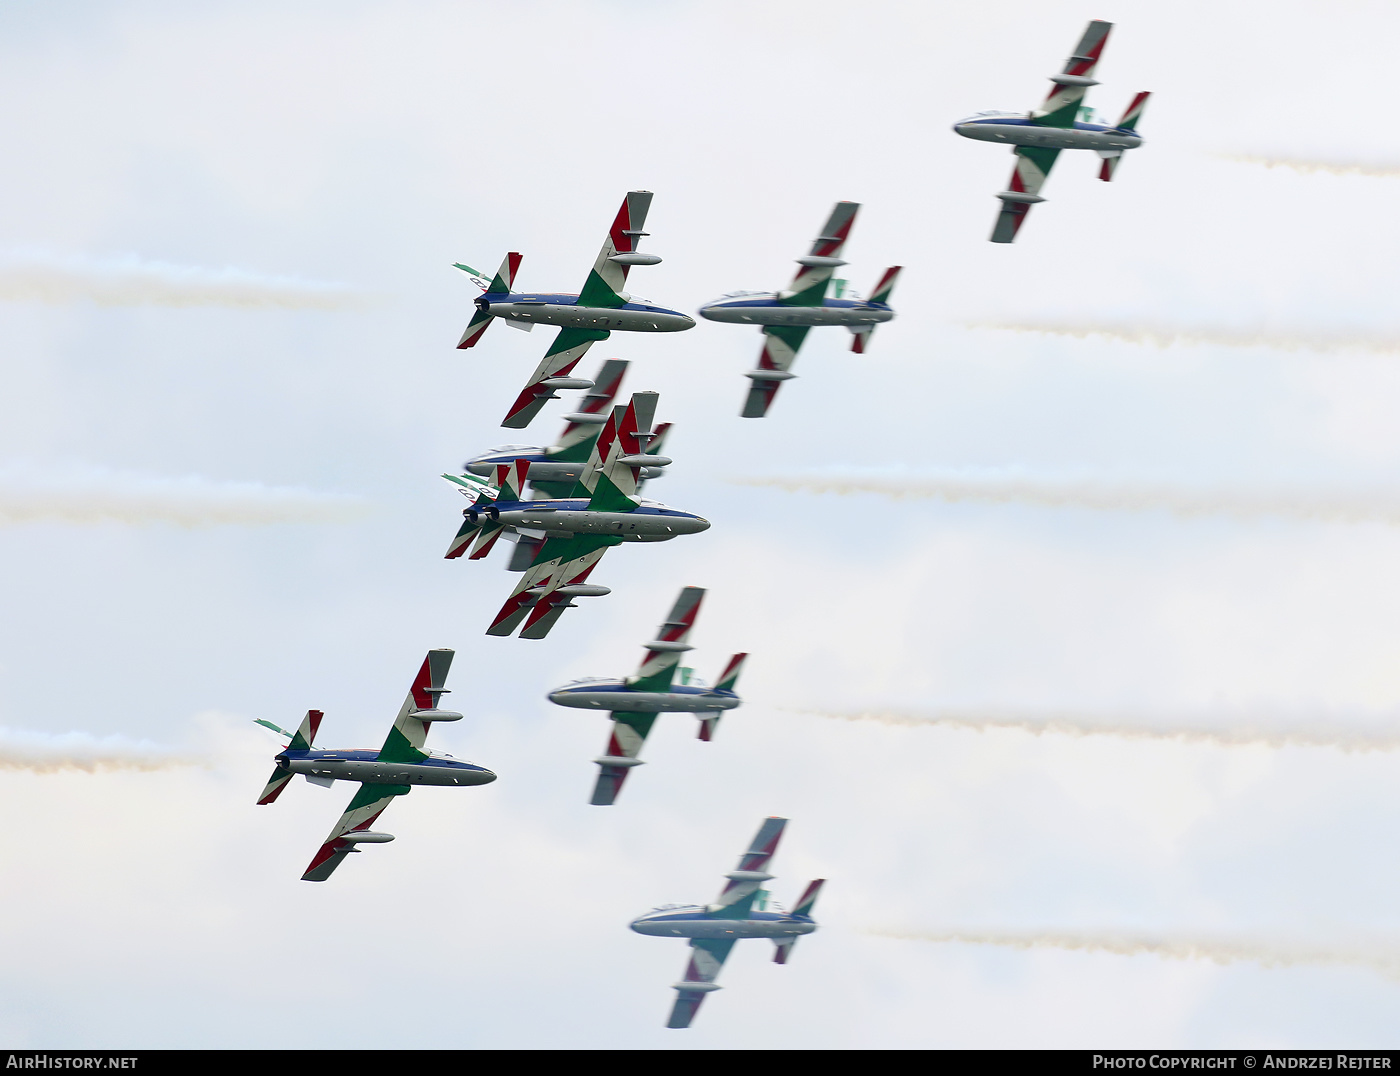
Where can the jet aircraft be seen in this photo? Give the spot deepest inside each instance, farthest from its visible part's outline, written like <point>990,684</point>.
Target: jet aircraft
<point>602,307</point>
<point>636,701</point>
<point>391,771</point>
<point>1040,135</point>
<point>786,316</point>
<point>740,911</point>
<point>556,469</point>
<point>602,510</point>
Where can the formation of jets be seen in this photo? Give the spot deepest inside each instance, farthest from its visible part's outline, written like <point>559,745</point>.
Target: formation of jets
<point>560,507</point>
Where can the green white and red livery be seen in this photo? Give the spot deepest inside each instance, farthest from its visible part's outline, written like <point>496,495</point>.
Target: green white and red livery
<point>787,316</point>
<point>1062,122</point>
<point>391,771</point>
<point>572,533</point>
<point>603,307</point>
<point>661,685</point>
<point>742,910</point>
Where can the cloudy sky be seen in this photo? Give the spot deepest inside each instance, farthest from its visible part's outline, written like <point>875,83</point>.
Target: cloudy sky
<point>228,317</point>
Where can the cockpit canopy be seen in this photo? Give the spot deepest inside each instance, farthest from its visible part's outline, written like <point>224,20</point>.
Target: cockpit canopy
<point>991,114</point>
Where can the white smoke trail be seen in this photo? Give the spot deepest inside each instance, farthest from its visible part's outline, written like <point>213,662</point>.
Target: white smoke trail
<point>1382,957</point>
<point>1278,338</point>
<point>94,495</point>
<point>40,752</point>
<point>1223,730</point>
<point>1355,505</point>
<point>1377,169</point>
<point>39,276</point>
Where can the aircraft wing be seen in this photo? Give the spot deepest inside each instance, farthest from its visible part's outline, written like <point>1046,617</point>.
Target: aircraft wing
<point>707,956</point>
<point>605,287</point>
<point>543,590</point>
<point>368,805</point>
<point>625,741</point>
<point>607,280</point>
<point>559,361</point>
<point>583,425</point>
<point>1061,107</point>
<point>403,744</point>
<point>1033,164</point>
<point>737,897</point>
<point>780,346</point>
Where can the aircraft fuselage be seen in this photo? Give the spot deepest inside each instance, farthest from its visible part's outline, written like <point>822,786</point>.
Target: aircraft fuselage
<point>364,766</point>
<point>554,308</point>
<point>615,695</point>
<point>569,517</point>
<point>764,309</point>
<point>695,922</point>
<point>1018,130</point>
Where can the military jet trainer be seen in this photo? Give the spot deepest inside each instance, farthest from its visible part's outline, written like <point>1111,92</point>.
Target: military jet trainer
<point>786,316</point>
<point>637,700</point>
<point>740,911</point>
<point>391,771</point>
<point>556,469</point>
<point>1040,135</point>
<point>602,510</point>
<point>601,308</point>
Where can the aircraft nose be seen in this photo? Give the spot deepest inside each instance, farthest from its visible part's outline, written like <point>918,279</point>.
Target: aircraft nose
<point>701,524</point>
<point>687,320</point>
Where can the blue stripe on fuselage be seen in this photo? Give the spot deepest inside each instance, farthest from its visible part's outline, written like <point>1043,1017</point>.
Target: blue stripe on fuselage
<point>371,755</point>
<point>1021,121</point>
<point>677,689</point>
<point>559,299</point>
<point>773,304</point>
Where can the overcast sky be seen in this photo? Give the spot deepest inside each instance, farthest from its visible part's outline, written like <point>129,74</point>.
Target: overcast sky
<point>370,145</point>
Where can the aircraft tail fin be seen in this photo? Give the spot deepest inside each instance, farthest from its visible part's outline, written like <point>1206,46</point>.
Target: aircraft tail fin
<point>885,287</point>
<point>1131,117</point>
<point>510,480</point>
<point>881,295</point>
<point>1133,114</point>
<point>730,676</point>
<point>501,283</point>
<point>302,740</point>
<point>808,900</point>
<point>485,496</point>
<point>727,679</point>
<point>803,910</point>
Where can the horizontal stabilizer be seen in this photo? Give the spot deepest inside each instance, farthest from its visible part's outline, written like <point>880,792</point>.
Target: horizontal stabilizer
<point>278,781</point>
<point>808,900</point>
